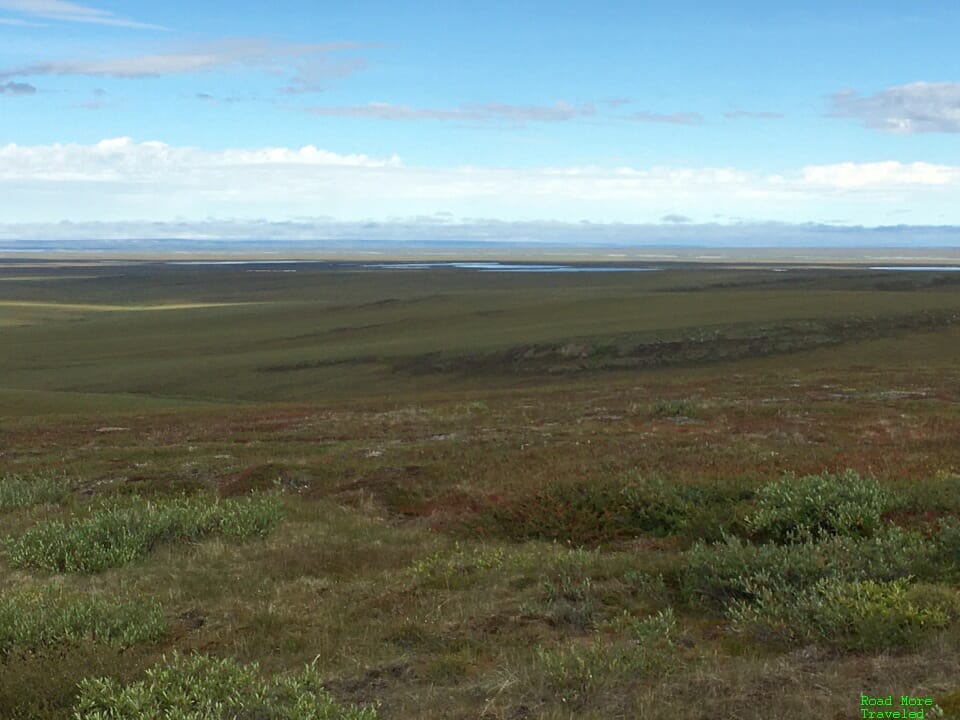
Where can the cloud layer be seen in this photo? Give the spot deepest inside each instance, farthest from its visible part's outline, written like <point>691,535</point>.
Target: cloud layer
<point>123,160</point>
<point>70,12</point>
<point>121,179</point>
<point>435,233</point>
<point>17,88</point>
<point>481,112</point>
<point>919,107</point>
<point>753,115</point>
<point>309,66</point>
<point>677,118</point>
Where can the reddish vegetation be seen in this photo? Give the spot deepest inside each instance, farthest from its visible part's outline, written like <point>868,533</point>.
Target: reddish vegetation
<point>441,463</point>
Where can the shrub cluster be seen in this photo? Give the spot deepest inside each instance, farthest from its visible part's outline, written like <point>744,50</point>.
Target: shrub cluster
<point>795,509</point>
<point>947,548</point>
<point>736,570</point>
<point>861,615</point>
<point>198,687</point>
<point>829,570</point>
<point>120,534</point>
<point>37,617</point>
<point>17,491</point>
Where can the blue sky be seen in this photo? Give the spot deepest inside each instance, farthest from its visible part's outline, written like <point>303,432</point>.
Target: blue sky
<point>841,113</point>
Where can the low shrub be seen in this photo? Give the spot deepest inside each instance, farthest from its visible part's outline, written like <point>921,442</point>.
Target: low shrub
<point>947,548</point>
<point>659,507</point>
<point>651,589</point>
<point>735,570</point>
<point>577,670</point>
<point>583,588</point>
<point>860,615</point>
<point>892,553</point>
<point>569,600</point>
<point>37,617</point>
<point>120,534</point>
<point>198,687</point>
<point>939,494</point>
<point>814,506</point>
<point>458,569</point>
<point>574,512</point>
<point>600,511</point>
<point>17,491</point>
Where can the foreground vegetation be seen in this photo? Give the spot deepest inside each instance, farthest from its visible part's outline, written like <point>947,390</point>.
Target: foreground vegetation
<point>553,531</point>
<point>116,535</point>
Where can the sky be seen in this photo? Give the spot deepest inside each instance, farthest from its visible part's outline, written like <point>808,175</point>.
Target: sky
<point>122,118</point>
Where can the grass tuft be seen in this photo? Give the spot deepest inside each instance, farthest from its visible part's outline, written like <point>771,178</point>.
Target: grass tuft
<point>576,671</point>
<point>117,535</point>
<point>17,491</point>
<point>46,616</point>
<point>198,687</point>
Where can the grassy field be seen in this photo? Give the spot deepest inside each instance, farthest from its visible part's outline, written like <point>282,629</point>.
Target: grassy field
<point>694,493</point>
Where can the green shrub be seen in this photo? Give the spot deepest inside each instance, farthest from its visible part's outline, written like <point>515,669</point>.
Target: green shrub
<point>721,573</point>
<point>656,506</point>
<point>17,491</point>
<point>861,615</point>
<point>33,618</point>
<point>735,570</point>
<point>794,509</point>
<point>650,588</point>
<point>198,687</point>
<point>892,553</point>
<point>120,534</point>
<point>940,493</point>
<point>947,548</point>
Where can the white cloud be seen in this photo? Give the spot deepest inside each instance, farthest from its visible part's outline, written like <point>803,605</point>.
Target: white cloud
<point>121,179</point>
<point>753,115</point>
<point>307,62</point>
<point>122,159</point>
<point>558,112</point>
<point>18,22</point>
<point>316,73</point>
<point>880,175</point>
<point>676,118</point>
<point>71,12</point>
<point>917,107</point>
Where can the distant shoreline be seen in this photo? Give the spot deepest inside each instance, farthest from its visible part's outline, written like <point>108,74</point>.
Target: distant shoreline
<point>595,256</point>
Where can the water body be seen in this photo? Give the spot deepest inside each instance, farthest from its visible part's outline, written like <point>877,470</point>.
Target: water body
<point>919,268</point>
<point>238,262</point>
<point>507,267</point>
<point>476,266</point>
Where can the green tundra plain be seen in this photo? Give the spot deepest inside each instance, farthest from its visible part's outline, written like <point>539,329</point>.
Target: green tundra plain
<point>237,491</point>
